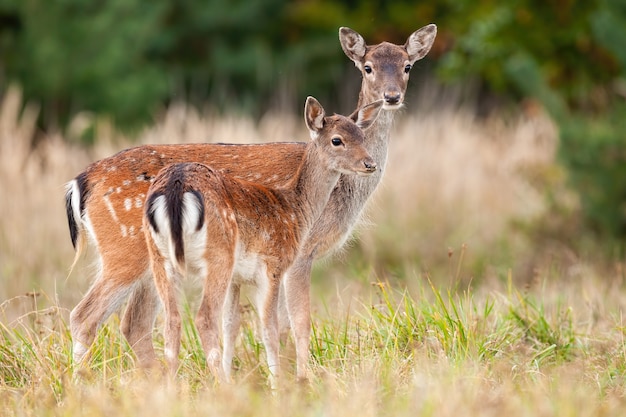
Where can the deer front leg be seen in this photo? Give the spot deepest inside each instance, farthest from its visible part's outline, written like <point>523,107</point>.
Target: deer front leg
<point>297,298</point>
<point>268,312</point>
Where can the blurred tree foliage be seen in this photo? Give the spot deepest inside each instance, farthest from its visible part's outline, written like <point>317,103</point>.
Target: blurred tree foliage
<point>124,59</point>
<point>571,57</point>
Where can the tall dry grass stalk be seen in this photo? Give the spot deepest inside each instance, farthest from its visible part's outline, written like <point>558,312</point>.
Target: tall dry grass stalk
<point>33,254</point>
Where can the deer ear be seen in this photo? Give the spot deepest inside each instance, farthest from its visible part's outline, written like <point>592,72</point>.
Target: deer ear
<point>366,115</point>
<point>313,116</point>
<point>353,45</point>
<point>420,41</point>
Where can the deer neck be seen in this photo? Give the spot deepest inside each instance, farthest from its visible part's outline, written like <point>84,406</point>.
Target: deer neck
<point>377,142</point>
<point>377,138</point>
<point>353,191</point>
<point>312,186</point>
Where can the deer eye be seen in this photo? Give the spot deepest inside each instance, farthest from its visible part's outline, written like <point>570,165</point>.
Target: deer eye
<point>368,69</point>
<point>407,68</point>
<point>336,141</point>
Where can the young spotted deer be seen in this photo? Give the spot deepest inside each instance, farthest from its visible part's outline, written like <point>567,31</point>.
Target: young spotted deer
<point>105,203</point>
<point>199,221</point>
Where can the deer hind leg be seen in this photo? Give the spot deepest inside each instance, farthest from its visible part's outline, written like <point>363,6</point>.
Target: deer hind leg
<point>231,321</point>
<point>104,297</point>
<point>268,290</point>
<point>297,298</point>
<point>283,316</point>
<point>138,320</point>
<point>166,285</point>
<point>219,270</point>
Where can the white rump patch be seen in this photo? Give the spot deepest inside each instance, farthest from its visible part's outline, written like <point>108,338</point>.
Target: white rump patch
<point>191,212</point>
<point>162,238</point>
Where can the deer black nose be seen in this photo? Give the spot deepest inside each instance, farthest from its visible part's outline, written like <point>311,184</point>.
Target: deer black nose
<point>370,166</point>
<point>392,97</point>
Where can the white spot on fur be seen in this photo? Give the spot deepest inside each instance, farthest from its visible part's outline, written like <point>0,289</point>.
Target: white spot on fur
<point>124,230</point>
<point>126,183</point>
<point>128,204</point>
<point>138,202</point>
<point>131,230</point>
<point>112,212</point>
<point>118,190</point>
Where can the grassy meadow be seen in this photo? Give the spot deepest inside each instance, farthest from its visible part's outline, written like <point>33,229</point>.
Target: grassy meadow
<point>467,292</point>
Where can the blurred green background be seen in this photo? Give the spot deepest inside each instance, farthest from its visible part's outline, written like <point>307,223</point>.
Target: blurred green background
<point>125,60</point>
